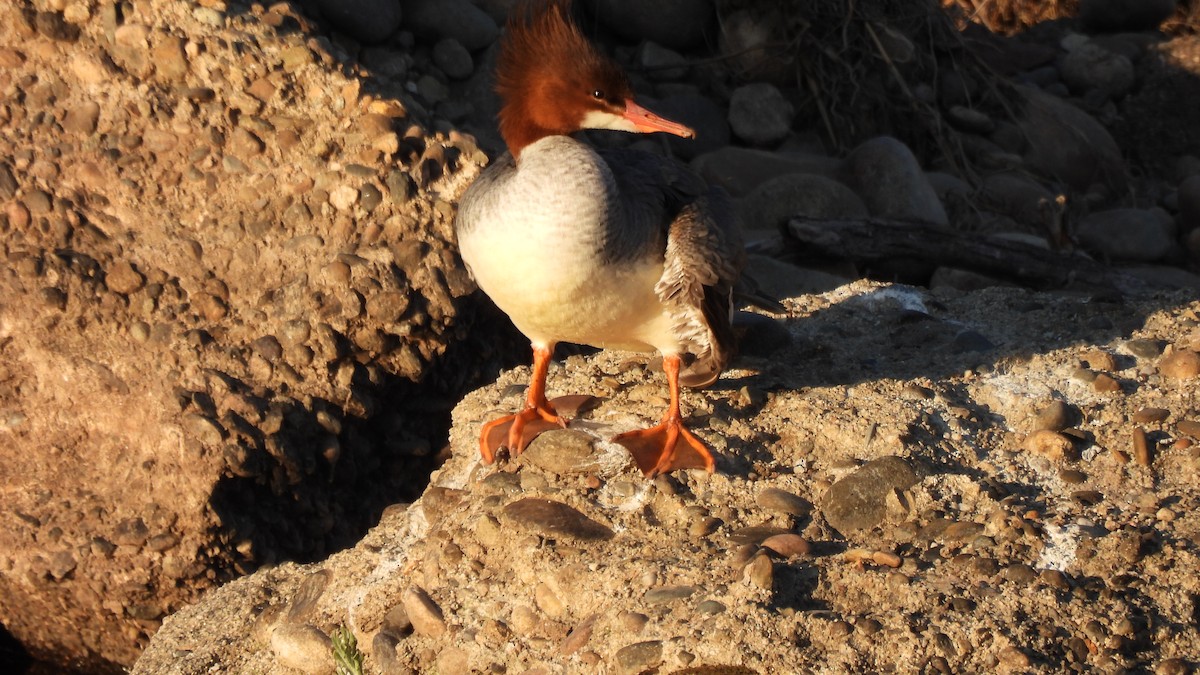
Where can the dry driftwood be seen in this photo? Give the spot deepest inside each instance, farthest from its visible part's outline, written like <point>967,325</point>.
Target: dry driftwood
<point>876,239</point>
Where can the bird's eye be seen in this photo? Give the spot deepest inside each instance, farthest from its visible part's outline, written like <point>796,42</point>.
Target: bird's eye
<point>598,94</point>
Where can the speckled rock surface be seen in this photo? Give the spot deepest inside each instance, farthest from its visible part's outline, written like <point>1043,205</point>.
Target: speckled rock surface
<point>990,558</point>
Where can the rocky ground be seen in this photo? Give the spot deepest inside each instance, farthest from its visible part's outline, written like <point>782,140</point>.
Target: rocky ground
<point>907,481</point>
<point>233,327</point>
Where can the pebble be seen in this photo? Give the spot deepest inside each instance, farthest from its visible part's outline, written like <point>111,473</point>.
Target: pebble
<point>1105,383</point>
<point>1172,666</point>
<point>755,534</point>
<point>343,197</point>
<point>632,622</point>
<point>1189,427</point>
<point>888,178</point>
<point>962,531</point>
<point>1151,415</point>
<point>1050,444</point>
<point>787,545</point>
<point>760,572</point>
<point>1019,573</point>
<point>782,501</point>
<point>303,647</point>
<point>170,61</point>
<point>555,519</point>
<point>857,502</point>
<point>386,307</point>
<point>424,613</point>
<point>123,278</point>
<point>667,594</point>
<point>710,607</point>
<point>759,114</point>
<point>1144,348</point>
<point>1056,416</point>
<point>578,638</point>
<point>82,119</point>
<point>53,26</point>
<point>1141,447</point>
<point>562,452</point>
<point>1017,197</point>
<point>548,601</point>
<point>1072,476</point>
<point>1182,364</point>
<point>639,657</point>
<point>38,202</point>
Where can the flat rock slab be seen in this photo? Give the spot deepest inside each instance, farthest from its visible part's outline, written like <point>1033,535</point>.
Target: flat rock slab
<point>857,502</point>
<point>555,519</point>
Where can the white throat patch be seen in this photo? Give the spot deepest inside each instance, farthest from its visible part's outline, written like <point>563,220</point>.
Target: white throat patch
<point>599,119</point>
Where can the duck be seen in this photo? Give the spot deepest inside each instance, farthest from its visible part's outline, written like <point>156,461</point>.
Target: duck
<point>614,248</point>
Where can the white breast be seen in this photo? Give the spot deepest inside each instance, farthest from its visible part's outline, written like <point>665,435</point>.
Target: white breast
<point>537,251</point>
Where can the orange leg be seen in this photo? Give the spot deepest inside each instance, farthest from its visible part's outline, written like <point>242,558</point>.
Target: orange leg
<point>669,445</point>
<point>516,431</point>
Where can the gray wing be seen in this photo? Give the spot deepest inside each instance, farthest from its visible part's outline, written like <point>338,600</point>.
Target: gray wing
<point>670,209</point>
<point>704,258</point>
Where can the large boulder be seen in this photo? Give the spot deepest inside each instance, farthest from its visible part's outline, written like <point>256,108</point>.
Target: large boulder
<point>213,324</point>
<point>888,177</point>
<point>1067,144</point>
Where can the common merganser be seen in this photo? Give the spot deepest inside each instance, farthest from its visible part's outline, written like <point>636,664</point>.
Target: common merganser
<point>610,248</point>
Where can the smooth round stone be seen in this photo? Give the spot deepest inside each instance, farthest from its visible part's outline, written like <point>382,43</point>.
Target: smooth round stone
<point>639,657</point>
<point>665,594</point>
<point>426,617</point>
<point>887,176</point>
<point>760,572</point>
<point>1056,416</point>
<point>555,519</point>
<point>1180,365</point>
<point>772,204</point>
<point>1067,143</point>
<point>303,647</point>
<point>782,501</point>
<point>1050,444</point>
<point>759,114</point>
<point>1151,415</point>
<point>562,452</point>
<point>787,545</point>
<point>857,502</point>
<point>1072,476</point>
<point>1020,573</point>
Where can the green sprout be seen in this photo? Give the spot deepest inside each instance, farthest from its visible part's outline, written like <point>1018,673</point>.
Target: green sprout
<point>346,657</point>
